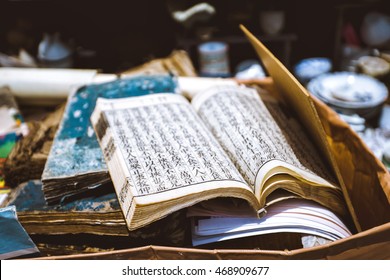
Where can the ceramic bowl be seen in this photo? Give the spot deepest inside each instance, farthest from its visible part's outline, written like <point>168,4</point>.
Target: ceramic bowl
<point>350,93</point>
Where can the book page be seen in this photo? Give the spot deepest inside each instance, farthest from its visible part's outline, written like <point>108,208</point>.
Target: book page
<point>166,151</point>
<point>252,138</point>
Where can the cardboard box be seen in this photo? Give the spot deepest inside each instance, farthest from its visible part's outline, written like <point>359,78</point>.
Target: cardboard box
<point>364,179</point>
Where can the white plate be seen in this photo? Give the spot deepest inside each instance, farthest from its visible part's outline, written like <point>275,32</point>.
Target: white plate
<point>348,90</point>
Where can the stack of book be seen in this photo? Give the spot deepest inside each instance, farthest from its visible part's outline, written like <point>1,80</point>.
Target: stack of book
<point>96,213</point>
<point>92,213</point>
<point>239,161</point>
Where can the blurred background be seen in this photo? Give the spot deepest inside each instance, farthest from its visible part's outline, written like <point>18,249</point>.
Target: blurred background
<point>115,35</point>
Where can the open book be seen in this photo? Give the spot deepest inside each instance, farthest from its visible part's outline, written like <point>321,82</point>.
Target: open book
<point>165,153</point>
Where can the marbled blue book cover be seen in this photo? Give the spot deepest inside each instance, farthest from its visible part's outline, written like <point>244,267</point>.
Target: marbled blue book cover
<point>97,212</point>
<point>76,162</point>
<point>29,198</point>
<point>92,212</point>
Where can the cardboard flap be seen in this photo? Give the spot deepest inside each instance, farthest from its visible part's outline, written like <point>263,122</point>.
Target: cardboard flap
<point>366,178</point>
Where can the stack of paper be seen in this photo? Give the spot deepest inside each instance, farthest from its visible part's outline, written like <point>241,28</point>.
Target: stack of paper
<point>292,215</point>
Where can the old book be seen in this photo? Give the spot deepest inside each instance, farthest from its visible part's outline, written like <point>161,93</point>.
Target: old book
<point>178,63</point>
<point>95,213</point>
<point>75,162</point>
<point>165,153</point>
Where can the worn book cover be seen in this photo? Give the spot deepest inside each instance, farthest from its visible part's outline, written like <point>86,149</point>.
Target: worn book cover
<point>96,213</point>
